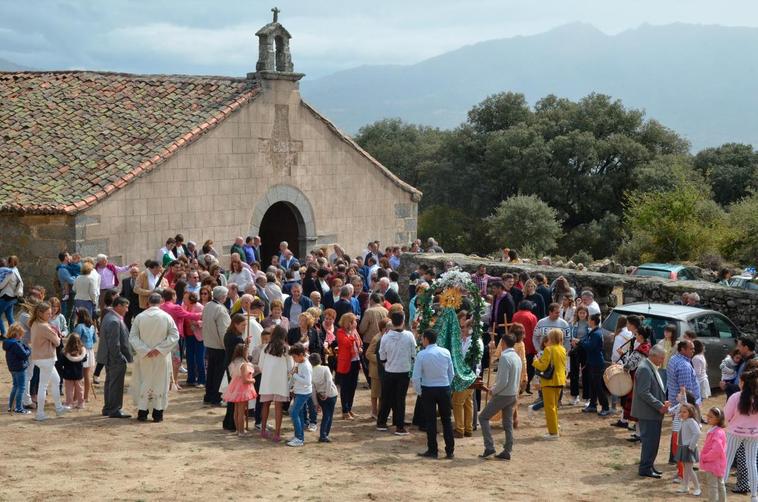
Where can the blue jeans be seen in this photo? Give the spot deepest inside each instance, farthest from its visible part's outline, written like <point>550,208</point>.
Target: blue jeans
<point>6,308</point>
<point>327,412</point>
<point>310,413</point>
<point>296,414</point>
<point>17,391</point>
<point>195,360</point>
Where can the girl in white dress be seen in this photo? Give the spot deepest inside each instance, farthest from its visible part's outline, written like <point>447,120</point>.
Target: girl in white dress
<point>275,364</point>
<point>701,369</point>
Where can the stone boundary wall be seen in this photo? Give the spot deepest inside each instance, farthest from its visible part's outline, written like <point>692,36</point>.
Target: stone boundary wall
<point>36,240</point>
<point>741,306</point>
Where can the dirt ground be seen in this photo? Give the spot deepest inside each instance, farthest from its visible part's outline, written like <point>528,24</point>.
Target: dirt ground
<point>84,456</point>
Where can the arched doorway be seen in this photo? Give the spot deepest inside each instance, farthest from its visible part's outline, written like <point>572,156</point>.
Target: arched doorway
<point>281,222</point>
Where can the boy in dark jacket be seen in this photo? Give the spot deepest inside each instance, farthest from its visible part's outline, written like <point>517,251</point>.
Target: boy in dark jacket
<point>17,357</point>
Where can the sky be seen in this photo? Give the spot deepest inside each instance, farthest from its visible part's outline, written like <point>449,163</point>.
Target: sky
<point>217,37</point>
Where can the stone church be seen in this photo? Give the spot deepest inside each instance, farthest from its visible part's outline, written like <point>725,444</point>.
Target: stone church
<point>115,163</point>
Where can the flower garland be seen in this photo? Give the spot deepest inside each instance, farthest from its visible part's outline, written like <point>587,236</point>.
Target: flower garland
<point>457,279</point>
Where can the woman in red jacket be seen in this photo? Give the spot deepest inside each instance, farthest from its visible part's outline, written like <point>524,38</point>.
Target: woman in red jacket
<point>348,362</point>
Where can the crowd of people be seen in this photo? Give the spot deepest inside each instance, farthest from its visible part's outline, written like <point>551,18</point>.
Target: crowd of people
<point>298,332</point>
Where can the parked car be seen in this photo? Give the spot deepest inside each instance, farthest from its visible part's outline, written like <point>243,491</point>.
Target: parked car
<point>666,271</point>
<point>744,282</point>
<point>715,330</point>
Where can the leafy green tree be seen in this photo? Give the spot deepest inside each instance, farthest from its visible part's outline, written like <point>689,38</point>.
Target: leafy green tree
<point>731,169</point>
<point>741,243</point>
<point>524,221</point>
<point>599,238</point>
<point>667,172</point>
<point>500,111</point>
<point>456,231</point>
<point>579,157</point>
<point>402,148</point>
<point>680,224</point>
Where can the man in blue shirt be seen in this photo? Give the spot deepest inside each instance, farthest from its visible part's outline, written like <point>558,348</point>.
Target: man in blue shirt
<point>680,373</point>
<point>249,251</point>
<point>432,377</point>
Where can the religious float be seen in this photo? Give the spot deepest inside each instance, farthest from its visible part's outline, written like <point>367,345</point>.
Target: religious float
<point>439,305</point>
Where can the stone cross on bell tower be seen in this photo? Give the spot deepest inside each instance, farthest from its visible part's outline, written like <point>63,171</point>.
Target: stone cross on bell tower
<point>274,48</point>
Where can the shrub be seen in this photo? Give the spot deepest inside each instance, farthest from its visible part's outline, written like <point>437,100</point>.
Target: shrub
<point>582,257</point>
<point>599,238</point>
<point>630,250</point>
<point>525,220</point>
<point>678,225</point>
<point>710,260</point>
<point>741,243</point>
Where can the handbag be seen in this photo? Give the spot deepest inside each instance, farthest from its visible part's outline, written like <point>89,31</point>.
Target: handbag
<point>547,374</point>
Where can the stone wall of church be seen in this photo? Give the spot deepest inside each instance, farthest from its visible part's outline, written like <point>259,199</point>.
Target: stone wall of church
<point>215,188</point>
<point>741,306</point>
<point>41,237</point>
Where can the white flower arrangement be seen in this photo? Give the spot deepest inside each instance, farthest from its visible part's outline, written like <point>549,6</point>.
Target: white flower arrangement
<point>454,278</point>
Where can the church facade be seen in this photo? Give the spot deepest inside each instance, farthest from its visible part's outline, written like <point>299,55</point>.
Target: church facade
<point>116,163</point>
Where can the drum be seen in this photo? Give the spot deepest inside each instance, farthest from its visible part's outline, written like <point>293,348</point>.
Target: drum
<point>618,381</point>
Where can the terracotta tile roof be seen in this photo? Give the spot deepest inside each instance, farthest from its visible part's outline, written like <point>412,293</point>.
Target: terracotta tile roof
<point>70,139</point>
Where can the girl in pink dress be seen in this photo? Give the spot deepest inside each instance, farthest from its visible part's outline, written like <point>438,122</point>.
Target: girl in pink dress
<point>241,389</point>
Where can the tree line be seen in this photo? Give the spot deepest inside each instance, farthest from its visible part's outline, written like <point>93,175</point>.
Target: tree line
<point>588,178</point>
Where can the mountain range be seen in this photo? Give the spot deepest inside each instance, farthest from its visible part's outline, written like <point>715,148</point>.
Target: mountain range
<point>6,65</point>
<point>699,80</point>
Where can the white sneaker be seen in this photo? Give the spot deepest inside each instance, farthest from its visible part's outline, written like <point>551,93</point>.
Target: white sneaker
<point>41,418</point>
<point>182,369</point>
<point>697,492</point>
<point>683,489</point>
<point>574,401</point>
<point>312,428</point>
<point>295,442</point>
<point>65,407</point>
<point>551,437</point>
<point>676,480</point>
<point>62,410</point>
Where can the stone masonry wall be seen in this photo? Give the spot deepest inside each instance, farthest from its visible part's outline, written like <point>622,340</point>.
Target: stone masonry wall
<point>36,240</point>
<point>741,306</point>
<point>219,187</point>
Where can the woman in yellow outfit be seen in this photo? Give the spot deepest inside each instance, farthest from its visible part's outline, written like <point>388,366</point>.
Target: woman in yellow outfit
<point>554,354</point>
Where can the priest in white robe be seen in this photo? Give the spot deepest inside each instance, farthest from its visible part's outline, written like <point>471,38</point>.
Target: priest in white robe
<point>153,337</point>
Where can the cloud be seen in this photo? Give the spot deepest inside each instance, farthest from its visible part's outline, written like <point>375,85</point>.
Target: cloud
<point>230,46</point>
<point>198,36</point>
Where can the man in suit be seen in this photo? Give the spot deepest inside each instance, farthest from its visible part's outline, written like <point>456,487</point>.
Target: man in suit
<point>369,326</point>
<point>287,260</point>
<point>127,291</point>
<point>216,320</point>
<point>509,281</point>
<point>543,290</point>
<point>257,249</point>
<point>343,305</point>
<point>113,351</point>
<point>389,294</point>
<point>147,282</point>
<point>503,309</point>
<point>649,405</point>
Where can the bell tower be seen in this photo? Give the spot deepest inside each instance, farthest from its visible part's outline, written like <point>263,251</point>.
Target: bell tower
<point>274,58</point>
